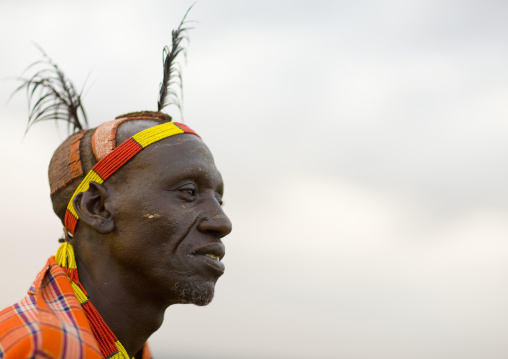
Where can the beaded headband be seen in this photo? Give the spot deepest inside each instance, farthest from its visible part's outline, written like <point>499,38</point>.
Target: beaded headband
<point>114,160</point>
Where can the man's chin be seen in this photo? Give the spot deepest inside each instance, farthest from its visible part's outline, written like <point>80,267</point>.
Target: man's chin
<point>200,294</point>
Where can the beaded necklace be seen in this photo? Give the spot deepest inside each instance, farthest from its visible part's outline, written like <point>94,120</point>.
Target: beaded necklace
<point>109,344</point>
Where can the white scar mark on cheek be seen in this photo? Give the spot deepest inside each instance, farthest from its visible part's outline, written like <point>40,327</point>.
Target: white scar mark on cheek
<point>152,215</point>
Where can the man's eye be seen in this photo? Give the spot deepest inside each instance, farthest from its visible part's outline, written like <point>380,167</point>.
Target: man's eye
<point>189,191</point>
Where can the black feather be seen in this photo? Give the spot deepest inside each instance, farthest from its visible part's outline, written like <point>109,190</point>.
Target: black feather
<point>171,70</point>
<point>57,98</point>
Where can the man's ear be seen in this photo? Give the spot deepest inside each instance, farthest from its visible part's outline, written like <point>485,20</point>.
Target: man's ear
<point>89,206</point>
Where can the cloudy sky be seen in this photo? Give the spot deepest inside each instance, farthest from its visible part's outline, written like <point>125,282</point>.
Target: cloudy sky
<point>363,146</point>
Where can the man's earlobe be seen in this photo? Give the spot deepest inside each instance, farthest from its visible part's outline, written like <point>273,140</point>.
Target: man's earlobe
<point>89,206</point>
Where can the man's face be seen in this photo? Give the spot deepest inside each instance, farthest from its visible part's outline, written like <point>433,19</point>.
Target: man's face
<point>166,205</point>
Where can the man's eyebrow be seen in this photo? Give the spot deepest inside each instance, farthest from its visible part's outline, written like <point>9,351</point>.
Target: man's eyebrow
<point>200,175</point>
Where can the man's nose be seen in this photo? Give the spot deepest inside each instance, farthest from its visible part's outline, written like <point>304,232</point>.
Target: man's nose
<point>217,223</point>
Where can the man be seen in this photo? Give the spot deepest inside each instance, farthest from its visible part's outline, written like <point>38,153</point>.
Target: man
<point>140,198</point>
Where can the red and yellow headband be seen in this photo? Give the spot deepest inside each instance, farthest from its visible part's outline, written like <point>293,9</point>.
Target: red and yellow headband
<point>112,159</point>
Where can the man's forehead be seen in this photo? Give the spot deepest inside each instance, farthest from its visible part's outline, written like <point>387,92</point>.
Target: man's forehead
<point>178,157</point>
<point>180,154</point>
<point>183,150</point>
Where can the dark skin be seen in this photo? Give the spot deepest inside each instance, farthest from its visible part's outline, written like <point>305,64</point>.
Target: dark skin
<point>150,236</point>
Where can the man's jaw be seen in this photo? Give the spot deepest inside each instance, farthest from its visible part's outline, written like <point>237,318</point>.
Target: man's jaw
<point>200,294</point>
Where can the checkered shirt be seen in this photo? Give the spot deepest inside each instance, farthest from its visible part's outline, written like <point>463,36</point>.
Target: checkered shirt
<point>49,322</point>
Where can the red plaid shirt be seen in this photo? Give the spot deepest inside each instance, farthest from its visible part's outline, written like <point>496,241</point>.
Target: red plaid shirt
<point>49,322</point>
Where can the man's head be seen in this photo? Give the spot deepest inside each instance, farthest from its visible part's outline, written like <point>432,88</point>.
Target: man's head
<point>140,198</point>
<point>158,219</point>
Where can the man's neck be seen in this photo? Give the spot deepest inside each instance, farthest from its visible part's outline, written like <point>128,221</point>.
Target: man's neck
<point>132,319</point>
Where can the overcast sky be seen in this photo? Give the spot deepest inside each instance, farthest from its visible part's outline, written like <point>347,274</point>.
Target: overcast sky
<point>363,146</point>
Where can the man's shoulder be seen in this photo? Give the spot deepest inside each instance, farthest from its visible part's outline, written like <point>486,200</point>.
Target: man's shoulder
<point>48,321</point>
<point>19,330</point>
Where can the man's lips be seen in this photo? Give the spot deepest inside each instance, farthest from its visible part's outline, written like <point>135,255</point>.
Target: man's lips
<point>212,255</point>
<point>215,251</point>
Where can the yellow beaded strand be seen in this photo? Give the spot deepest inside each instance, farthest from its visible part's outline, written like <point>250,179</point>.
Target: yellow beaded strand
<point>65,256</point>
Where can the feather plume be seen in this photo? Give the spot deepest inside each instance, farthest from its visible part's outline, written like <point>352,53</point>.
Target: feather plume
<point>51,96</point>
<point>171,70</point>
